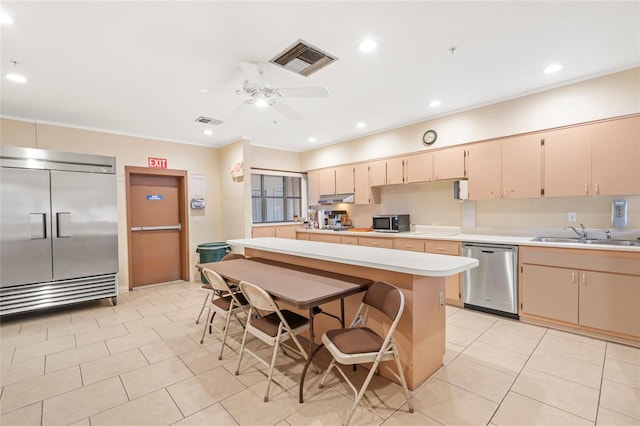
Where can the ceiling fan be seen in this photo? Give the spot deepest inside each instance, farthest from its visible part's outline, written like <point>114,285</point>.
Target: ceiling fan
<point>263,95</point>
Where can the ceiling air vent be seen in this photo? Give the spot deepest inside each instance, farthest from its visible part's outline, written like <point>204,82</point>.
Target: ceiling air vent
<point>302,58</point>
<point>207,120</point>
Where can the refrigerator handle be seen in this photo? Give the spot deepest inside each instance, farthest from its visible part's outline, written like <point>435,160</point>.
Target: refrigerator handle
<point>62,224</point>
<point>38,226</point>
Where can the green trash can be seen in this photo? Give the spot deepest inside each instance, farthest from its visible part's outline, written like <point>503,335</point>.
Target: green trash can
<point>211,252</point>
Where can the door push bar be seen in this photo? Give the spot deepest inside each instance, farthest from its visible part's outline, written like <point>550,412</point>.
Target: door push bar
<point>157,228</point>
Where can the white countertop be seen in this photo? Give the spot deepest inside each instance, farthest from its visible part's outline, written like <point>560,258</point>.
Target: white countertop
<point>477,238</point>
<point>409,262</point>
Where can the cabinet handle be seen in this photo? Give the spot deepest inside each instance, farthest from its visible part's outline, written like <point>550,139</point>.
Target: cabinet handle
<point>375,243</point>
<point>597,189</point>
<point>409,245</point>
<point>573,278</point>
<point>439,248</point>
<point>586,188</point>
<point>584,279</point>
<point>497,193</point>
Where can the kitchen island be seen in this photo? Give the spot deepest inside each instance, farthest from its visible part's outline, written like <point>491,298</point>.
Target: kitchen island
<point>420,335</point>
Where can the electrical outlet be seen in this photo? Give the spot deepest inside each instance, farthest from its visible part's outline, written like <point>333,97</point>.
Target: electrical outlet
<point>571,217</point>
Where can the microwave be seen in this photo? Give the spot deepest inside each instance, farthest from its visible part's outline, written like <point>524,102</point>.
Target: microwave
<point>391,223</point>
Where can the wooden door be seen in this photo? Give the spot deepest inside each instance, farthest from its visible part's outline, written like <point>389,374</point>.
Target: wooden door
<point>550,292</point>
<point>615,157</point>
<point>522,167</point>
<point>484,171</point>
<point>156,211</point>
<point>567,162</point>
<point>419,167</point>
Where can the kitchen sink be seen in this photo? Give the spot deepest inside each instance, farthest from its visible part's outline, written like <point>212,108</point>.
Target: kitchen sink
<point>626,243</point>
<point>557,240</point>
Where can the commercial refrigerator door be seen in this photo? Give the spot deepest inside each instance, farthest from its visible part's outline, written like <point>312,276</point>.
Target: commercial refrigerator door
<point>84,224</point>
<point>25,226</point>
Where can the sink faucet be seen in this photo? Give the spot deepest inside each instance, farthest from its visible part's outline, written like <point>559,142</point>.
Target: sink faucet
<point>608,233</point>
<point>582,233</point>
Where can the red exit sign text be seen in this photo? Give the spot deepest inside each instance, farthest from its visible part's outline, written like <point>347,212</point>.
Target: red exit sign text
<point>158,163</point>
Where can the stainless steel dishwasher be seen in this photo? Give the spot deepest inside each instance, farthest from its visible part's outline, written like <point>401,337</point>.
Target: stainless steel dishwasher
<point>493,286</point>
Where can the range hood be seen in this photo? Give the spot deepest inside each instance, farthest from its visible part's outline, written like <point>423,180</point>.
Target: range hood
<point>335,198</point>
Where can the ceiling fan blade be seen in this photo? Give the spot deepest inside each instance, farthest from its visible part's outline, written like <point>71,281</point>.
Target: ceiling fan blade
<point>304,92</point>
<point>285,110</point>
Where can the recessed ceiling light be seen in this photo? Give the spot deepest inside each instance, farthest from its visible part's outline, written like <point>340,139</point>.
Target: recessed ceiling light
<point>5,18</point>
<point>16,78</point>
<point>204,90</point>
<point>550,69</point>
<point>368,45</point>
<point>435,103</point>
<point>207,132</point>
<point>312,139</point>
<point>361,125</point>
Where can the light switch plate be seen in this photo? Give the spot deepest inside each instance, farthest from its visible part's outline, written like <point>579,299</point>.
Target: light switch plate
<point>571,217</point>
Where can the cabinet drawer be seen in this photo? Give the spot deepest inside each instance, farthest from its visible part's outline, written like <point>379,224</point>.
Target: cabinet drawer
<point>376,242</point>
<point>325,238</point>
<point>349,240</point>
<point>442,247</point>
<point>408,244</point>
<point>302,236</point>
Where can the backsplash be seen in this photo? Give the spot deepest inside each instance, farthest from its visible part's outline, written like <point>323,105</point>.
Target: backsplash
<point>433,204</point>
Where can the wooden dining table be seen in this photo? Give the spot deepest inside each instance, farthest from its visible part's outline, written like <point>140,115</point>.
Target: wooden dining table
<point>301,287</point>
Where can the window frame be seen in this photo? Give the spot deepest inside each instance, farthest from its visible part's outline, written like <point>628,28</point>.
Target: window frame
<point>285,199</point>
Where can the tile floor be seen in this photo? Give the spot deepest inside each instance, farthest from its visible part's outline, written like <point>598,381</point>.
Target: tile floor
<point>140,363</point>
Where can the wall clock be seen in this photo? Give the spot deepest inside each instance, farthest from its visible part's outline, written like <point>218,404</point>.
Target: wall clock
<point>429,137</point>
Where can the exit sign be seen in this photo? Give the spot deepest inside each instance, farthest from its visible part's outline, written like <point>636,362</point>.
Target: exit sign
<point>158,163</point>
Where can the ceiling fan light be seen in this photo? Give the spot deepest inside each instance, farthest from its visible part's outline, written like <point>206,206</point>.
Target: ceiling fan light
<point>261,103</point>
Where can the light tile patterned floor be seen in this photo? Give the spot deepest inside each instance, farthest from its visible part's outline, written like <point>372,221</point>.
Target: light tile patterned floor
<point>140,363</point>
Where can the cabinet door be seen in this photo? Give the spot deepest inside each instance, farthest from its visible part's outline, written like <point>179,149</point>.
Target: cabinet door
<point>567,162</point>
<point>375,242</point>
<point>395,171</point>
<point>522,167</point>
<point>262,231</point>
<point>615,157</point>
<point>484,171</point>
<point>364,194</point>
<point>452,288</point>
<point>378,173</point>
<point>327,181</point>
<point>448,163</point>
<point>419,167</point>
<point>610,302</point>
<point>288,231</point>
<point>313,190</point>
<point>345,180</point>
<point>550,292</point>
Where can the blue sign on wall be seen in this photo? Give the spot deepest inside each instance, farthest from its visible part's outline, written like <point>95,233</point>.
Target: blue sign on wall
<point>154,197</point>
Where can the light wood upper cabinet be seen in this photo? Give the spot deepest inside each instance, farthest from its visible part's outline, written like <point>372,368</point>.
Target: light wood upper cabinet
<point>313,189</point>
<point>327,181</point>
<point>378,173</point>
<point>449,163</point>
<point>567,162</point>
<point>419,167</point>
<point>344,180</point>
<point>615,157</point>
<point>395,171</point>
<point>522,167</point>
<point>510,168</point>
<point>364,193</point>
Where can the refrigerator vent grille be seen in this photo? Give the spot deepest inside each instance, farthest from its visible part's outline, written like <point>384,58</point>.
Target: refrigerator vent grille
<point>27,297</point>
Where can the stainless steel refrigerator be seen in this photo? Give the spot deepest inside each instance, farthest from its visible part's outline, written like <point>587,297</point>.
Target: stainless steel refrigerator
<point>58,229</point>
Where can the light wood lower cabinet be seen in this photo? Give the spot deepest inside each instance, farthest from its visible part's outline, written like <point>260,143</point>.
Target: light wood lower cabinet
<point>587,289</point>
<point>282,231</point>
<point>349,240</point>
<point>453,292</point>
<point>325,238</point>
<point>408,244</point>
<point>375,242</point>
